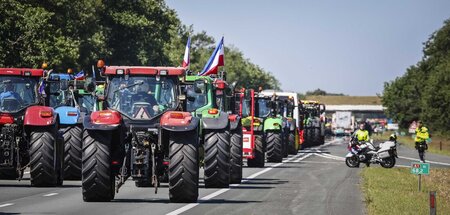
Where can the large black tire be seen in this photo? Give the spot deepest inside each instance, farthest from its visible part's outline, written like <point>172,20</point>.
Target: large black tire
<point>98,182</point>
<point>308,138</point>
<point>259,159</point>
<point>217,158</point>
<point>72,152</point>
<point>316,137</point>
<point>274,146</point>
<point>236,156</point>
<point>183,167</point>
<point>45,166</point>
<point>291,144</point>
<point>285,145</point>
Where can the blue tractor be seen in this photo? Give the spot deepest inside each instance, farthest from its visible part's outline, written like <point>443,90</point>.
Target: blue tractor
<point>72,99</point>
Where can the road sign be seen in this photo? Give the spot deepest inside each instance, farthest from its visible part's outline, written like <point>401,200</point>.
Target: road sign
<point>420,168</point>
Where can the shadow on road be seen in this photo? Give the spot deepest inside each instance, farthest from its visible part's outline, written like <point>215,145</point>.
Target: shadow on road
<point>140,201</point>
<point>226,201</point>
<point>29,186</point>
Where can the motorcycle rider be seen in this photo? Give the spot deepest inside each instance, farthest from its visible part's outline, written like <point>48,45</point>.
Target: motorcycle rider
<point>421,140</point>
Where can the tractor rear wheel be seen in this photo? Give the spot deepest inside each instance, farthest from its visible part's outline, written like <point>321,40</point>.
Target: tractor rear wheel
<point>316,138</point>
<point>45,167</point>
<point>217,158</point>
<point>291,144</point>
<point>274,146</point>
<point>183,167</point>
<point>98,182</point>
<point>259,159</point>
<point>236,156</point>
<point>72,152</point>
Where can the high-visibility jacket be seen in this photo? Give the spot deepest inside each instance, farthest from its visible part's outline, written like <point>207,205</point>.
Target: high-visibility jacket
<point>362,135</point>
<point>421,134</point>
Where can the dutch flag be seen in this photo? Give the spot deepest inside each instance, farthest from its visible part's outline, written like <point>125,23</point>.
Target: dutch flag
<point>187,58</point>
<point>214,61</point>
<point>79,76</point>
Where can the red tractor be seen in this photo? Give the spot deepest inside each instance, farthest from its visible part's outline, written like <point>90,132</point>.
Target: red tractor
<point>28,131</point>
<point>142,132</point>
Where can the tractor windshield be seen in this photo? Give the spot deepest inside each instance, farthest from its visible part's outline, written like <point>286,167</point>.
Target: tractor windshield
<point>195,100</point>
<point>141,97</point>
<point>58,96</point>
<point>17,93</point>
<point>263,107</point>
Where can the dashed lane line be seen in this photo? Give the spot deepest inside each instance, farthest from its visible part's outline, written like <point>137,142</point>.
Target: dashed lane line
<point>6,205</point>
<point>50,194</point>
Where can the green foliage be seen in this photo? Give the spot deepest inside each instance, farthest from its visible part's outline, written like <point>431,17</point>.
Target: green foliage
<point>74,34</point>
<point>320,92</point>
<point>424,91</point>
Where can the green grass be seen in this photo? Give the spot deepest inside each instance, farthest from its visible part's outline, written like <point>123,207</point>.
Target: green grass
<point>346,100</point>
<point>433,147</point>
<point>395,191</point>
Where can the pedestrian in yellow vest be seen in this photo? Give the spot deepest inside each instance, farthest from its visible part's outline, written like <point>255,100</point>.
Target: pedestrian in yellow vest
<point>421,140</point>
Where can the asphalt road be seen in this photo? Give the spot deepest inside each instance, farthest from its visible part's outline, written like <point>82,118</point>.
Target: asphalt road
<point>315,181</point>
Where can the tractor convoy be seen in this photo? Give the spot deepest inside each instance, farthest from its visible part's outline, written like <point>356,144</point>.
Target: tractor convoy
<point>147,124</point>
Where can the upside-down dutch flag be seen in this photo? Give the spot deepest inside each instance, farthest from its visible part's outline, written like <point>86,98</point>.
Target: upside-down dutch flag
<point>79,76</point>
<point>187,57</point>
<point>215,60</point>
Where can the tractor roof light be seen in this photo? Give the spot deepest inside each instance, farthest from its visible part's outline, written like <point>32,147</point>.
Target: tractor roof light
<point>120,71</point>
<point>100,63</point>
<point>27,73</point>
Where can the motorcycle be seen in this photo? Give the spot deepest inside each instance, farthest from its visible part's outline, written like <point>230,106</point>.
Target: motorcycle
<point>365,152</point>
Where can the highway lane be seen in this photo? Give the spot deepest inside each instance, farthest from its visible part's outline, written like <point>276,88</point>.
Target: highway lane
<point>316,181</point>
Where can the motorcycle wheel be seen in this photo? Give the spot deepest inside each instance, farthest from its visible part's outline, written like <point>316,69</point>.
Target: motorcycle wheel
<point>388,162</point>
<point>352,162</point>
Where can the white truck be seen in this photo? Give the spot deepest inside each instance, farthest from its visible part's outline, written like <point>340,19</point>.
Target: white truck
<point>342,123</point>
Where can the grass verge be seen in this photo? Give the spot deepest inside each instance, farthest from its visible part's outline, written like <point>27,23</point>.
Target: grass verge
<point>433,147</point>
<point>395,191</point>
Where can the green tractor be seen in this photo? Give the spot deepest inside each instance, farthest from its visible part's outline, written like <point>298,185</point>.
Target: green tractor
<point>269,108</point>
<point>313,123</point>
<point>213,101</point>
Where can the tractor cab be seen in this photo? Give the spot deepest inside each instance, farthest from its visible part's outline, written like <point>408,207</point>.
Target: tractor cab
<point>18,89</point>
<point>312,113</point>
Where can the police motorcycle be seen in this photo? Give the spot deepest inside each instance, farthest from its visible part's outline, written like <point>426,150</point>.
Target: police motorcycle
<point>384,154</point>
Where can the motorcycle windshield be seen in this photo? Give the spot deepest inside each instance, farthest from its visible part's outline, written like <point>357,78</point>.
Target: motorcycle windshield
<point>141,97</point>
<point>17,93</point>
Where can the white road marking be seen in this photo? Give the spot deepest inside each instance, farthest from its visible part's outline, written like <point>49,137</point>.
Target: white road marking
<point>323,162</point>
<point>6,205</point>
<point>330,157</point>
<point>50,194</point>
<point>427,161</point>
<point>212,195</point>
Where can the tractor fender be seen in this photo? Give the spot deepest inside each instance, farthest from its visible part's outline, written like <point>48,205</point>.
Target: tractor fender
<point>40,116</point>
<point>234,121</point>
<point>273,124</point>
<point>68,115</point>
<point>178,121</point>
<point>105,120</point>
<point>218,122</point>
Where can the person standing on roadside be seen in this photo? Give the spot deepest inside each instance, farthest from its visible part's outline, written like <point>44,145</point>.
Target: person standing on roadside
<point>421,140</point>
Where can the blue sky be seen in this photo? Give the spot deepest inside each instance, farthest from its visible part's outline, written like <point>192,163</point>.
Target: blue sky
<point>341,46</point>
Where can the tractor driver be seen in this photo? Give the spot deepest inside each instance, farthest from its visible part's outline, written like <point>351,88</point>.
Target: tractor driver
<point>9,92</point>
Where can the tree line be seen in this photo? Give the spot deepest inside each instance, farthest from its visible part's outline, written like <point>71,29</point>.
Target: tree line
<point>423,92</point>
<point>74,34</point>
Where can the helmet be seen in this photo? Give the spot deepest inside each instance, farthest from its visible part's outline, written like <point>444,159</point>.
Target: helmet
<point>393,137</point>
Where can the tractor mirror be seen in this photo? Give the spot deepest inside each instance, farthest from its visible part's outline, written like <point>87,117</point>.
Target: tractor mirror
<point>63,85</point>
<point>199,86</point>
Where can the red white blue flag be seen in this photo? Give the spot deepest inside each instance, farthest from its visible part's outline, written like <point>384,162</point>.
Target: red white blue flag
<point>214,61</point>
<point>187,57</point>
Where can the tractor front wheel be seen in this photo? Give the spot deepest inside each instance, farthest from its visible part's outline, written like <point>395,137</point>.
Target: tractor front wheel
<point>259,158</point>
<point>217,158</point>
<point>236,156</point>
<point>72,152</point>
<point>274,146</point>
